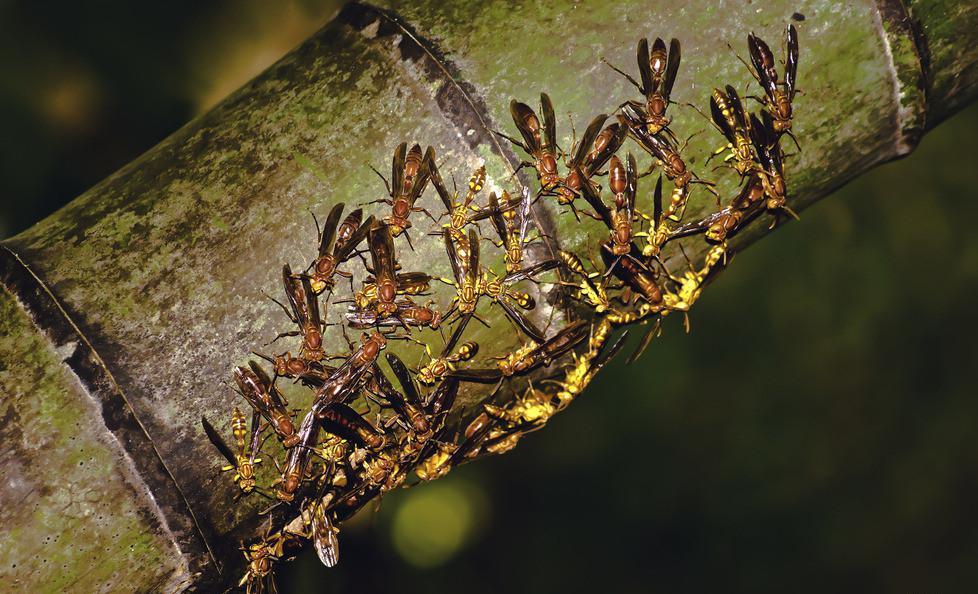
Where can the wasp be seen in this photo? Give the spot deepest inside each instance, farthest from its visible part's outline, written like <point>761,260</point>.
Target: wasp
<point>261,557</point>
<point>474,436</point>
<point>538,142</point>
<point>466,273</point>
<point>511,227</point>
<point>660,230</point>
<point>382,471</point>
<point>407,283</point>
<point>384,266</point>
<point>310,373</point>
<point>657,70</point>
<point>297,460</point>
<point>507,204</point>
<point>691,284</point>
<point>333,253</point>
<point>409,177</point>
<point>730,117</point>
<point>435,465</point>
<point>340,419</point>
<point>730,218</point>
<point>418,444</point>
<point>305,313</point>
<point>484,434</point>
<point>634,273</point>
<point>440,401</point>
<point>408,405</point>
<point>501,291</point>
<point>534,406</point>
<point>244,459</point>
<point>408,314</point>
<point>593,152</point>
<point>264,397</point>
<point>438,367</point>
<point>622,181</point>
<point>780,95</point>
<point>584,369</point>
<point>528,357</point>
<point>343,383</point>
<point>673,165</point>
<point>471,282</point>
<point>324,535</point>
<point>771,170</point>
<point>459,210</point>
<point>720,225</point>
<point>591,293</point>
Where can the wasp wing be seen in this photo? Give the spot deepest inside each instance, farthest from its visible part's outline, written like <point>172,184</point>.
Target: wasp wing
<point>329,229</point>
<point>672,69</point>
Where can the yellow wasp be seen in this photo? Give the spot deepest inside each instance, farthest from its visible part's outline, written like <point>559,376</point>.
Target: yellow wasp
<point>244,459</point>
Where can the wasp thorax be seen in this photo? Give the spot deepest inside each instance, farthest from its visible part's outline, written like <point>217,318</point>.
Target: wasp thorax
<point>657,105</point>
<point>548,163</point>
<point>295,366</point>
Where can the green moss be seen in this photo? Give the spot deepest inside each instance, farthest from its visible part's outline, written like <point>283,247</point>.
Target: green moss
<point>77,523</point>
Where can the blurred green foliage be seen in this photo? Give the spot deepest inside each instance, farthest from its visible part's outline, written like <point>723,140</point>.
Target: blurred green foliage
<point>815,431</point>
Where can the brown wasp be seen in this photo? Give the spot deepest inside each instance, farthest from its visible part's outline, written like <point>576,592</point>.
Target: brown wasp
<point>440,402</point>
<point>340,419</point>
<point>331,254</point>
<point>780,95</point>
<point>593,152</point>
<point>408,283</point>
<point>244,459</point>
<point>622,181</point>
<point>408,314</point>
<point>438,367</point>
<point>409,177</point>
<point>384,266</point>
<point>484,434</point>
<point>264,397</point>
<point>636,275</point>
<point>730,117</point>
<point>407,406</point>
<point>305,313</point>
<point>344,382</point>
<point>310,373</point>
<point>538,142</point>
<point>658,70</point>
<point>771,171</point>
<point>297,460</point>
<point>673,165</point>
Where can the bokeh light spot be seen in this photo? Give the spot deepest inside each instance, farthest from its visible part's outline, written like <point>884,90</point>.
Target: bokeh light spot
<point>434,522</point>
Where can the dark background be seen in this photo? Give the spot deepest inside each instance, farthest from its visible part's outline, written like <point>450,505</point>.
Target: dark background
<point>816,431</point>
